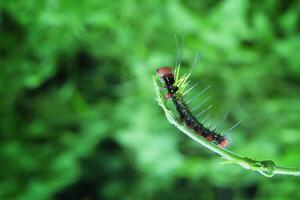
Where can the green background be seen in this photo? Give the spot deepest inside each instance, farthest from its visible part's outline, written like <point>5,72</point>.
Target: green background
<point>79,118</point>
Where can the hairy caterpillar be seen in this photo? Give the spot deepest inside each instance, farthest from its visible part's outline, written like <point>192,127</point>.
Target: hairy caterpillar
<point>175,87</point>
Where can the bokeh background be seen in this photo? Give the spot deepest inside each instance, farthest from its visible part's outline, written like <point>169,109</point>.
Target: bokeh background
<point>78,113</point>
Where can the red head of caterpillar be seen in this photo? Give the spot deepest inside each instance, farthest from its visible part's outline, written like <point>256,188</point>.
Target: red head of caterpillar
<point>164,72</point>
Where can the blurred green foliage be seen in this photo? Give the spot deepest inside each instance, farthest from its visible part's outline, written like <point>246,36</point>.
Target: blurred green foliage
<point>78,118</point>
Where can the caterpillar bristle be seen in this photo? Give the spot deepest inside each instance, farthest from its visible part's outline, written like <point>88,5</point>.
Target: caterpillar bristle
<point>179,49</point>
<point>205,118</point>
<point>223,122</point>
<point>196,61</point>
<point>187,91</point>
<point>200,104</point>
<point>203,111</point>
<point>234,126</point>
<point>182,83</point>
<point>198,95</point>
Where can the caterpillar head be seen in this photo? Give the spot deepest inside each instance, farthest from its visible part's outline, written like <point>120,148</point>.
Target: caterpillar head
<point>165,72</point>
<point>166,75</point>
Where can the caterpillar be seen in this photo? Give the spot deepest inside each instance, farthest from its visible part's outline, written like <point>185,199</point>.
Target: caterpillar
<point>175,87</point>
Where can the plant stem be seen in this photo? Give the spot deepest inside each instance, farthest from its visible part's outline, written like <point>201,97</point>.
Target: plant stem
<point>265,167</point>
